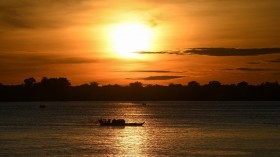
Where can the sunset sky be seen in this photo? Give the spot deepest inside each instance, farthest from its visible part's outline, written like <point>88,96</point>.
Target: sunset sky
<point>151,41</point>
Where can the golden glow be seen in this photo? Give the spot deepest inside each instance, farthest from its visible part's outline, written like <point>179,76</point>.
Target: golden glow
<point>128,38</point>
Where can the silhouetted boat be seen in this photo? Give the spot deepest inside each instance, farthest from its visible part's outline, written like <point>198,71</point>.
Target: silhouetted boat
<point>42,106</point>
<point>117,122</point>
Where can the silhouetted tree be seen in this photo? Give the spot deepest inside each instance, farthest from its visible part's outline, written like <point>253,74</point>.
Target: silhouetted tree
<point>55,83</point>
<point>149,85</point>
<point>175,85</point>
<point>44,80</point>
<point>270,84</point>
<point>193,84</point>
<point>93,84</point>
<point>242,84</point>
<point>29,82</point>
<point>214,84</point>
<point>136,85</point>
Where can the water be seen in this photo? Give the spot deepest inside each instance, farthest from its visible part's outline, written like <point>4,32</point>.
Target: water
<point>205,129</point>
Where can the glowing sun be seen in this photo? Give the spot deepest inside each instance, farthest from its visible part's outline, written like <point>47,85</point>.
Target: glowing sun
<point>128,38</point>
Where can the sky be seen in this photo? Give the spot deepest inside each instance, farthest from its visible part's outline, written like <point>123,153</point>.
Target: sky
<point>151,41</point>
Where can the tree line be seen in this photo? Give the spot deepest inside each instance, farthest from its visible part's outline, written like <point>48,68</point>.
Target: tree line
<point>60,89</point>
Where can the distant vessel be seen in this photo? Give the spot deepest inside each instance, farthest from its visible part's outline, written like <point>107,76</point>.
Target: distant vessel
<point>42,106</point>
<point>117,122</point>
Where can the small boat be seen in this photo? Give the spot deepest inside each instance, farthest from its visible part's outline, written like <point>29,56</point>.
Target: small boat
<point>117,122</point>
<point>42,106</point>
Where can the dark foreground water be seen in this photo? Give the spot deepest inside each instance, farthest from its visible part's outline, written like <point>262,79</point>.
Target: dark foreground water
<point>172,129</point>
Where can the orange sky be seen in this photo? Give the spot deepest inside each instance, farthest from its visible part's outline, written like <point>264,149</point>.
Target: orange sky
<point>73,39</point>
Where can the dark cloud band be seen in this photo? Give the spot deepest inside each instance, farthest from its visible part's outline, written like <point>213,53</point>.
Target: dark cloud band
<point>249,69</point>
<point>151,71</point>
<point>42,59</point>
<point>218,51</point>
<point>157,78</point>
<point>275,60</point>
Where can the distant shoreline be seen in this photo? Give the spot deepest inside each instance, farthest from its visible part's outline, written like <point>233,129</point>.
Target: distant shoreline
<point>60,89</point>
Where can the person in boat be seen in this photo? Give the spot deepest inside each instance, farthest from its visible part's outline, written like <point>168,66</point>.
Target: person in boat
<point>117,122</point>
<point>114,121</point>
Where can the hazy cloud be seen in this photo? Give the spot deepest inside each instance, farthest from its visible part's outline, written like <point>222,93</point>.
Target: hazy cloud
<point>151,71</point>
<point>254,63</point>
<point>249,69</point>
<point>162,52</point>
<point>157,78</point>
<point>154,71</point>
<point>275,60</point>
<point>38,13</point>
<point>218,51</point>
<point>42,59</point>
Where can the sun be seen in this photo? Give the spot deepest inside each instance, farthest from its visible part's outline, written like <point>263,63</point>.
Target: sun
<point>128,38</point>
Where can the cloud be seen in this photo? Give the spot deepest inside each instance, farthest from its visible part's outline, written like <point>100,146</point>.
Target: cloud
<point>275,60</point>
<point>145,15</point>
<point>42,59</point>
<point>72,60</point>
<point>249,69</point>
<point>254,63</point>
<point>151,71</point>
<point>154,71</point>
<point>218,51</point>
<point>157,78</point>
<point>162,52</point>
<point>39,14</point>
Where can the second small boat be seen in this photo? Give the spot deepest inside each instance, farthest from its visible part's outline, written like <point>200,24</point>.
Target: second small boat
<point>117,122</point>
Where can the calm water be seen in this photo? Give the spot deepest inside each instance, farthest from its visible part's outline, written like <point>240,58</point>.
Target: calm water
<point>171,129</point>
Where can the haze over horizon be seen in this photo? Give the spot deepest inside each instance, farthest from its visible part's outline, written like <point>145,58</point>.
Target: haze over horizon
<point>154,42</point>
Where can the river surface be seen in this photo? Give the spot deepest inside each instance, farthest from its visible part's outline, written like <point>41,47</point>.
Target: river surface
<point>194,129</point>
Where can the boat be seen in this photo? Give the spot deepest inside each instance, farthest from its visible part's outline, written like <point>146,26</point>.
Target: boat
<point>117,122</point>
<point>42,106</point>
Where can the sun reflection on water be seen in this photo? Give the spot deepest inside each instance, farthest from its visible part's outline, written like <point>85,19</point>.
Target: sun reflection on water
<point>132,140</point>
<point>128,140</point>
